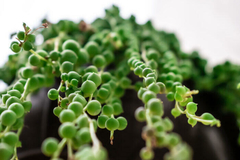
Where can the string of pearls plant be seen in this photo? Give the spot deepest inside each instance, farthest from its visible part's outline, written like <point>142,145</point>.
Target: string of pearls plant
<point>93,62</point>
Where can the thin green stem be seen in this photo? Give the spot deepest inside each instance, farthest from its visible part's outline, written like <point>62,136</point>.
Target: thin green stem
<point>61,84</point>
<point>69,148</point>
<point>40,57</point>
<point>60,148</point>
<point>101,71</point>
<point>95,141</point>
<point>190,93</point>
<point>90,98</point>
<point>19,131</point>
<point>66,84</point>
<point>197,118</point>
<point>148,118</point>
<point>148,143</point>
<point>14,157</point>
<point>149,123</point>
<point>178,108</point>
<point>56,44</point>
<point>25,92</point>
<point>5,131</point>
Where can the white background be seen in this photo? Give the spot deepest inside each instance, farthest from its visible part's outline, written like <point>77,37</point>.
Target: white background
<point>210,26</point>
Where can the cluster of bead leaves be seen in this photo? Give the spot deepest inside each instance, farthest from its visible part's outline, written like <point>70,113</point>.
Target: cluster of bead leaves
<point>79,54</point>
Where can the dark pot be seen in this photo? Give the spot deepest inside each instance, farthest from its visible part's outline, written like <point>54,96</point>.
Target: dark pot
<point>208,143</point>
